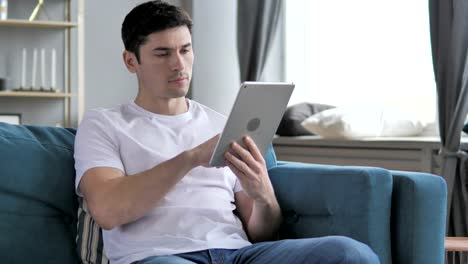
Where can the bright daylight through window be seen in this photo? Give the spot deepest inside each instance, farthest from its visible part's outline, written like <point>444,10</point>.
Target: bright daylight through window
<point>359,53</point>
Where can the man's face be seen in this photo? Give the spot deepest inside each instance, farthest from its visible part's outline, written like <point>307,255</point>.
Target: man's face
<point>166,60</point>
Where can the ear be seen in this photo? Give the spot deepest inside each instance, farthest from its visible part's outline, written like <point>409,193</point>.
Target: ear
<point>130,61</point>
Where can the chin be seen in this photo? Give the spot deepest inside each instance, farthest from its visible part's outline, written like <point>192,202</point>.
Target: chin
<point>176,90</point>
<point>177,93</point>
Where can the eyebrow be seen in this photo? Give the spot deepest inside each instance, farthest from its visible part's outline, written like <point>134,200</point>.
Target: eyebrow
<point>168,49</point>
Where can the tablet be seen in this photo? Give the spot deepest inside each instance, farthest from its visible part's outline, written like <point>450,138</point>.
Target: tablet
<point>257,112</point>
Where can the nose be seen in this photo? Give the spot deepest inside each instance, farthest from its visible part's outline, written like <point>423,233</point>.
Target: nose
<point>177,62</point>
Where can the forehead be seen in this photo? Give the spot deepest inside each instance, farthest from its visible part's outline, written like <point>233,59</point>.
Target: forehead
<point>169,38</point>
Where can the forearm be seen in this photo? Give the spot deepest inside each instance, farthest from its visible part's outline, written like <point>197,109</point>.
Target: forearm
<point>126,199</point>
<point>264,220</point>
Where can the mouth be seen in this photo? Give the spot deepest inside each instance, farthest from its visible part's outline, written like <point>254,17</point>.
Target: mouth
<point>180,79</point>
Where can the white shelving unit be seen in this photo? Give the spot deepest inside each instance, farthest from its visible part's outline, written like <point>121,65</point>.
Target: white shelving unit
<point>64,93</point>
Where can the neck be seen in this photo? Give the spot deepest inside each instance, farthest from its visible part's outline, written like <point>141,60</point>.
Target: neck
<point>163,106</point>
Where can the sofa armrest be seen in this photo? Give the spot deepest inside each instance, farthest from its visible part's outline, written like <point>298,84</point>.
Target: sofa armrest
<point>322,200</point>
<point>419,204</point>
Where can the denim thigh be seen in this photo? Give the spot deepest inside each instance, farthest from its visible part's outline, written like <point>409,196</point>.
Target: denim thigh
<point>323,250</point>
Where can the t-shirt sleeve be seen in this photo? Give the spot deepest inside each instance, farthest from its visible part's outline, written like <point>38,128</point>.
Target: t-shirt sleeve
<point>235,183</point>
<point>95,146</point>
<point>237,186</point>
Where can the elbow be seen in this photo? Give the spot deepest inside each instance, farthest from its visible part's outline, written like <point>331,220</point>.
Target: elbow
<point>103,217</point>
<point>106,224</point>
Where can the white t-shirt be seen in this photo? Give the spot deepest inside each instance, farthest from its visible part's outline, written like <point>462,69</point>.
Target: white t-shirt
<point>196,214</point>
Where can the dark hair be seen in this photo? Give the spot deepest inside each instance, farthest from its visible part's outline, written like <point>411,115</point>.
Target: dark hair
<point>148,18</point>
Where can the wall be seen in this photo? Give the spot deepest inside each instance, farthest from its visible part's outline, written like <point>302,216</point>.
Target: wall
<point>216,69</point>
<point>216,73</point>
<point>107,81</point>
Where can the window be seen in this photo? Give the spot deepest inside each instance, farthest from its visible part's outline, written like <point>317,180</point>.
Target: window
<point>342,52</point>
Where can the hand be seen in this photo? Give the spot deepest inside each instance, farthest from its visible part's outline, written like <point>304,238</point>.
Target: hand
<point>202,153</point>
<point>250,169</point>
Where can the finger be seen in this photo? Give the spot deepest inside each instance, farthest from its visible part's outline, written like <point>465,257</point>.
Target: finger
<point>237,172</point>
<point>245,155</point>
<point>253,149</point>
<point>239,164</point>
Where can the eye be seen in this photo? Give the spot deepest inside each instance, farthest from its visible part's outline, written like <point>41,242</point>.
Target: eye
<point>161,54</point>
<point>185,51</point>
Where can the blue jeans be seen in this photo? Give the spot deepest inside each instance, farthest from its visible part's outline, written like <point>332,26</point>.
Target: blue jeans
<point>324,250</point>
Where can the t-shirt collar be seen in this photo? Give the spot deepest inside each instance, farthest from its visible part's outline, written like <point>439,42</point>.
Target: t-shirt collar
<point>141,111</point>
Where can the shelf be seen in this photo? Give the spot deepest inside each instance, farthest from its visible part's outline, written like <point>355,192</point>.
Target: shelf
<point>35,94</point>
<point>37,23</point>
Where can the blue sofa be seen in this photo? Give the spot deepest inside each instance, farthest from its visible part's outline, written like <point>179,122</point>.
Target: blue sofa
<point>400,215</point>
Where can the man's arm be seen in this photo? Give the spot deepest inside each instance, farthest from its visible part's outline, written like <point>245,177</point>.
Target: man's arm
<point>257,205</point>
<point>115,200</point>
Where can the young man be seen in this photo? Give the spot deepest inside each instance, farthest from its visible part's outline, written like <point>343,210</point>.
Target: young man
<point>142,168</point>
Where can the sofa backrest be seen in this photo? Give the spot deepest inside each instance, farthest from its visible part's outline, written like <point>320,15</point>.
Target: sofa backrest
<point>37,200</point>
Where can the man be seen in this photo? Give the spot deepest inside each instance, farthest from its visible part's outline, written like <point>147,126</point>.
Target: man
<point>142,168</point>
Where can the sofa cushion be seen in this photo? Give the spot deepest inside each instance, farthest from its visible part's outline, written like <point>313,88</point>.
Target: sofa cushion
<point>89,241</point>
<point>37,198</point>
